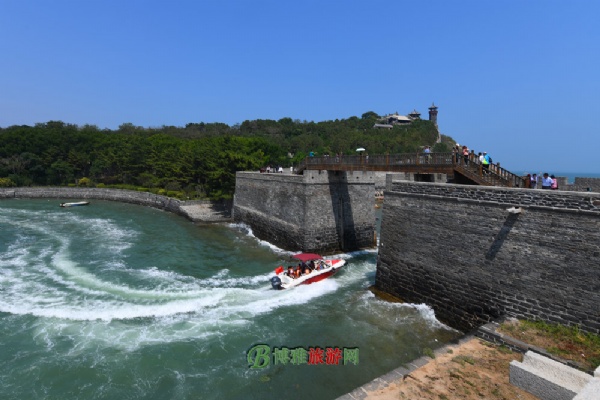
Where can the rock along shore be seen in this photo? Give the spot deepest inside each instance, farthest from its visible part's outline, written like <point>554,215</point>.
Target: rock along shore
<point>196,210</point>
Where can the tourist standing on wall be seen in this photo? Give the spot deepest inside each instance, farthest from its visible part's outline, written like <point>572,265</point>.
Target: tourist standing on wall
<point>546,181</point>
<point>465,152</point>
<point>533,181</point>
<point>554,185</point>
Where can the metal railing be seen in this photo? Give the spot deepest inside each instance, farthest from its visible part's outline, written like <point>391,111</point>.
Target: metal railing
<point>494,175</point>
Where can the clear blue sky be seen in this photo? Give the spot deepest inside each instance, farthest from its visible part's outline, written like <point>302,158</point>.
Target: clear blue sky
<point>517,78</point>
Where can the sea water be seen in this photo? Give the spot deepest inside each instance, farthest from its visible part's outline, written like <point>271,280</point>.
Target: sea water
<point>116,301</point>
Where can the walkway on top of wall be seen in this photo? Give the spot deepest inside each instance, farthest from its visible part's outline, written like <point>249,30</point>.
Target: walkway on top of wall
<point>422,163</point>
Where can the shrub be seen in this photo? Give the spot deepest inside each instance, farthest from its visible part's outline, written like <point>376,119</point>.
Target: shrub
<point>7,182</point>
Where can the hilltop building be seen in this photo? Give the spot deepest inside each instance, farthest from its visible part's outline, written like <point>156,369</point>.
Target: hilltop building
<point>391,120</point>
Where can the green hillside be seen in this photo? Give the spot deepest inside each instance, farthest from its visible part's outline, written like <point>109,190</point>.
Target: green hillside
<point>195,161</point>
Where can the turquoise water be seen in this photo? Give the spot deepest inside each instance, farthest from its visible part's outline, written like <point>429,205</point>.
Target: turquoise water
<point>115,301</point>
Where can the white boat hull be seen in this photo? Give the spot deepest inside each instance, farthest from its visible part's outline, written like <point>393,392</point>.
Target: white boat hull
<point>75,204</point>
<point>283,281</point>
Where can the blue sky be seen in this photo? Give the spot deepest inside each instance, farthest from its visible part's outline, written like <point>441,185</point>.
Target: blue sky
<point>519,79</point>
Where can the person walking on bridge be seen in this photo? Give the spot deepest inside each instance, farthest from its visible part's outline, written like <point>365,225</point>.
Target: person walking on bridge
<point>486,162</point>
<point>456,153</point>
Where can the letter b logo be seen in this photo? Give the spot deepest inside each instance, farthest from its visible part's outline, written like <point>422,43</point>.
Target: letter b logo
<point>259,356</point>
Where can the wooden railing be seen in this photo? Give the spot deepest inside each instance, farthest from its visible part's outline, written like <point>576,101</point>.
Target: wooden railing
<point>419,163</point>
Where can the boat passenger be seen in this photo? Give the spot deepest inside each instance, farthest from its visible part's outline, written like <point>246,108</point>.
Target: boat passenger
<point>290,271</point>
<point>298,272</point>
<point>311,264</point>
<point>307,271</point>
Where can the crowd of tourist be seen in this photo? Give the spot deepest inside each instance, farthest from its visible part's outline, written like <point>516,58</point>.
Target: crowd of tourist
<point>462,154</point>
<point>549,182</point>
<point>467,156</point>
<point>268,169</point>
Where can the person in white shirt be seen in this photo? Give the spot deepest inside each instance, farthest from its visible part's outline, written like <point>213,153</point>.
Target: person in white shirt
<point>546,181</point>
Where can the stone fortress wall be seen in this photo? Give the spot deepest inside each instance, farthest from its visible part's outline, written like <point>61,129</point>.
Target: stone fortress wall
<point>319,211</point>
<point>583,185</point>
<point>477,253</point>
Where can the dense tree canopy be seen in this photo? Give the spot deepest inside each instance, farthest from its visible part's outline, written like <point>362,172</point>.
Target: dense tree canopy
<point>198,160</point>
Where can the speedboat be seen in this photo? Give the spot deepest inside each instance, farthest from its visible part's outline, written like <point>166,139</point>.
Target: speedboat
<point>312,267</point>
<point>78,203</point>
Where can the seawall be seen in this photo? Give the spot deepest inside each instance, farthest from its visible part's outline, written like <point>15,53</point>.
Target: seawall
<point>319,211</point>
<point>196,211</point>
<point>460,250</point>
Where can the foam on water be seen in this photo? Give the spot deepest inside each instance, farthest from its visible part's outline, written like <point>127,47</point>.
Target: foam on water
<point>108,303</point>
<point>85,304</point>
<point>248,231</point>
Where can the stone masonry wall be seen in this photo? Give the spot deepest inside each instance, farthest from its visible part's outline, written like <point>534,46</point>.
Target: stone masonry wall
<point>458,249</point>
<point>319,211</point>
<point>585,185</point>
<point>197,211</point>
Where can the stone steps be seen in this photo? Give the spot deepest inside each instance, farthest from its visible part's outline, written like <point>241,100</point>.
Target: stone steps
<point>548,379</point>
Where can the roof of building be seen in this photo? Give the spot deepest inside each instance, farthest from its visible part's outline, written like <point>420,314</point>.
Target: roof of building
<point>400,118</point>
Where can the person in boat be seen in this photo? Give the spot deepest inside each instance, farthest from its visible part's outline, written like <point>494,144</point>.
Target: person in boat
<point>290,271</point>
<point>307,271</point>
<point>298,272</point>
<point>311,264</point>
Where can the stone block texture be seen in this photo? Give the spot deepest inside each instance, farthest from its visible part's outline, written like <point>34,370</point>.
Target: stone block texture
<point>459,250</point>
<point>320,211</point>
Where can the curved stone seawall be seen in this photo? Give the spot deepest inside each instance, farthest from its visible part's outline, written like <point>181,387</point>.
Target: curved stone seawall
<point>197,211</point>
<point>477,253</point>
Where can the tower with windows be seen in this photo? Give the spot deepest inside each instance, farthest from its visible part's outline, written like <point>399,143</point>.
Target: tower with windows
<point>433,114</point>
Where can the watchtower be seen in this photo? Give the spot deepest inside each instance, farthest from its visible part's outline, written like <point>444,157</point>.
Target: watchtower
<point>433,114</point>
